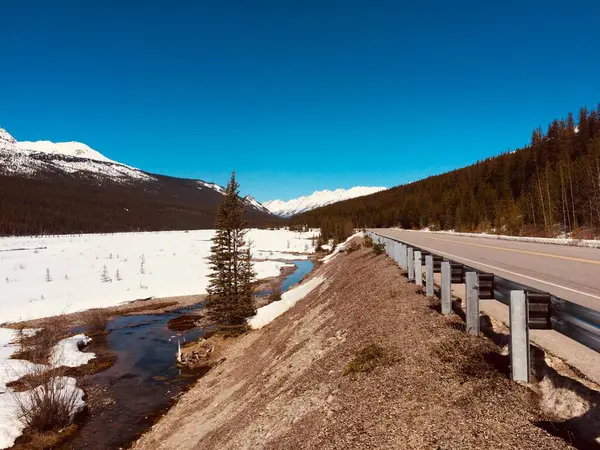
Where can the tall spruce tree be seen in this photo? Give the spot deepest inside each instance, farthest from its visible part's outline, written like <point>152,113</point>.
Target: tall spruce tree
<point>230,297</point>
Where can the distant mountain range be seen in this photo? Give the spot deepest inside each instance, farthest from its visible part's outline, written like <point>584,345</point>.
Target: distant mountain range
<point>68,187</point>
<point>317,199</point>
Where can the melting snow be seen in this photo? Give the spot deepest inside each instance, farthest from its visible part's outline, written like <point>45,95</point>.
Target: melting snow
<point>268,313</point>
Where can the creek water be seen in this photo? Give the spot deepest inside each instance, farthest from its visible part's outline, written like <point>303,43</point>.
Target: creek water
<point>145,379</point>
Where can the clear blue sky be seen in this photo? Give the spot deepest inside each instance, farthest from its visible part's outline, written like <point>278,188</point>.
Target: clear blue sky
<point>295,95</point>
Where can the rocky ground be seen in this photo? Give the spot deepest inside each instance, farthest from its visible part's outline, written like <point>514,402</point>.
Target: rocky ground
<point>364,361</point>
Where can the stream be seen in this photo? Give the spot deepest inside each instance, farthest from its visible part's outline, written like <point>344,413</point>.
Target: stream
<point>145,379</point>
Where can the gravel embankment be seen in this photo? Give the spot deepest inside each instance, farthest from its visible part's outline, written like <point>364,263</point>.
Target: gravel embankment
<point>283,387</point>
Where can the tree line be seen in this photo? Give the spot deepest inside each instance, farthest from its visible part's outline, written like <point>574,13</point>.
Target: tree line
<point>550,186</point>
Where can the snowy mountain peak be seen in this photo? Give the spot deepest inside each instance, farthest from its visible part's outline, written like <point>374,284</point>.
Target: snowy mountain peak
<point>31,158</point>
<point>5,136</point>
<point>256,204</point>
<point>317,199</point>
<point>76,149</point>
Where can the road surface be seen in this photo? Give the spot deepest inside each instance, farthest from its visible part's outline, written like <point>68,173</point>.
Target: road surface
<point>572,273</point>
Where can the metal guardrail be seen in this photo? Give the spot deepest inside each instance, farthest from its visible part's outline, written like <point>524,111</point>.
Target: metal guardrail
<point>546,311</point>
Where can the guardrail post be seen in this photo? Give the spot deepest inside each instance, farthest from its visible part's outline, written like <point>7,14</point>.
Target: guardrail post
<point>418,269</point>
<point>411,264</point>
<point>472,303</point>
<point>446,296</point>
<point>404,257</point>
<point>397,253</point>
<point>519,337</point>
<point>429,280</point>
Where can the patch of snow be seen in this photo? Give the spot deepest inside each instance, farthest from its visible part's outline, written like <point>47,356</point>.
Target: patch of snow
<point>213,186</point>
<point>66,352</point>
<point>262,254</point>
<point>340,248</point>
<point>152,264</point>
<point>268,313</point>
<point>76,149</point>
<point>317,199</point>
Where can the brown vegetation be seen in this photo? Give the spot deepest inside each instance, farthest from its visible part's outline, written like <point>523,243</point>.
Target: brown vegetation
<point>275,290</point>
<point>366,359</point>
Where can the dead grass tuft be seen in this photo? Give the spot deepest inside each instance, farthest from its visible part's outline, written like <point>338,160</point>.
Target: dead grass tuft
<point>96,321</point>
<point>352,247</point>
<point>232,331</point>
<point>275,291</point>
<point>49,406</point>
<point>366,359</point>
<point>36,347</point>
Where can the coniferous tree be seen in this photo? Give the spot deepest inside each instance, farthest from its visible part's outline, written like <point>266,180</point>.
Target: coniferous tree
<point>230,297</point>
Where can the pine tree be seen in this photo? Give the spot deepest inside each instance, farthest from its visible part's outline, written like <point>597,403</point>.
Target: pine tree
<point>230,292</point>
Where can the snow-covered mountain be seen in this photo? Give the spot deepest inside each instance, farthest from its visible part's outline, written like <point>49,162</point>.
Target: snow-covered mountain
<point>31,158</point>
<point>70,187</point>
<point>317,199</point>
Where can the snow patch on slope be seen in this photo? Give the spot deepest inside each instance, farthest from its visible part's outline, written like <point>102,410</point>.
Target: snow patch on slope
<point>249,200</point>
<point>318,199</point>
<point>270,312</point>
<point>212,186</point>
<point>76,149</point>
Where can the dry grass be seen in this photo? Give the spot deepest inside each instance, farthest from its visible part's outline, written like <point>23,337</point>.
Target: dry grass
<point>275,291</point>
<point>37,347</point>
<point>232,331</point>
<point>366,359</point>
<point>96,320</point>
<point>46,405</point>
<point>352,247</point>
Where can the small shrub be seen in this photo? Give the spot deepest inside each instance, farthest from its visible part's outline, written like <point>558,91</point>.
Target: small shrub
<point>49,402</point>
<point>96,320</point>
<point>275,291</point>
<point>378,248</point>
<point>118,275</point>
<point>104,276</point>
<point>366,359</point>
<point>352,247</point>
<point>36,347</point>
<point>368,242</point>
<point>48,276</point>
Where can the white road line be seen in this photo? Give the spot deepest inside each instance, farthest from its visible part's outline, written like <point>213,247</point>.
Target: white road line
<point>507,271</point>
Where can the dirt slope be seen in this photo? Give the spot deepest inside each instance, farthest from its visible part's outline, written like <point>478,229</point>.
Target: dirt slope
<point>283,387</point>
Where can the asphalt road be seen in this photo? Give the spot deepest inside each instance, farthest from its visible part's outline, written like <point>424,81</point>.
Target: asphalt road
<point>572,273</point>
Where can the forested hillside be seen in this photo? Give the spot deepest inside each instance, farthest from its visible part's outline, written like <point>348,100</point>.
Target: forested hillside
<point>542,189</point>
<point>58,202</point>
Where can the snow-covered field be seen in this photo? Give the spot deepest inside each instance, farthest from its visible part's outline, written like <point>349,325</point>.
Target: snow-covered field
<point>44,276</point>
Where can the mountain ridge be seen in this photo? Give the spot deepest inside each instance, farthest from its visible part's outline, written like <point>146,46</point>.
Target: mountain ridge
<point>318,199</point>
<point>62,188</point>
